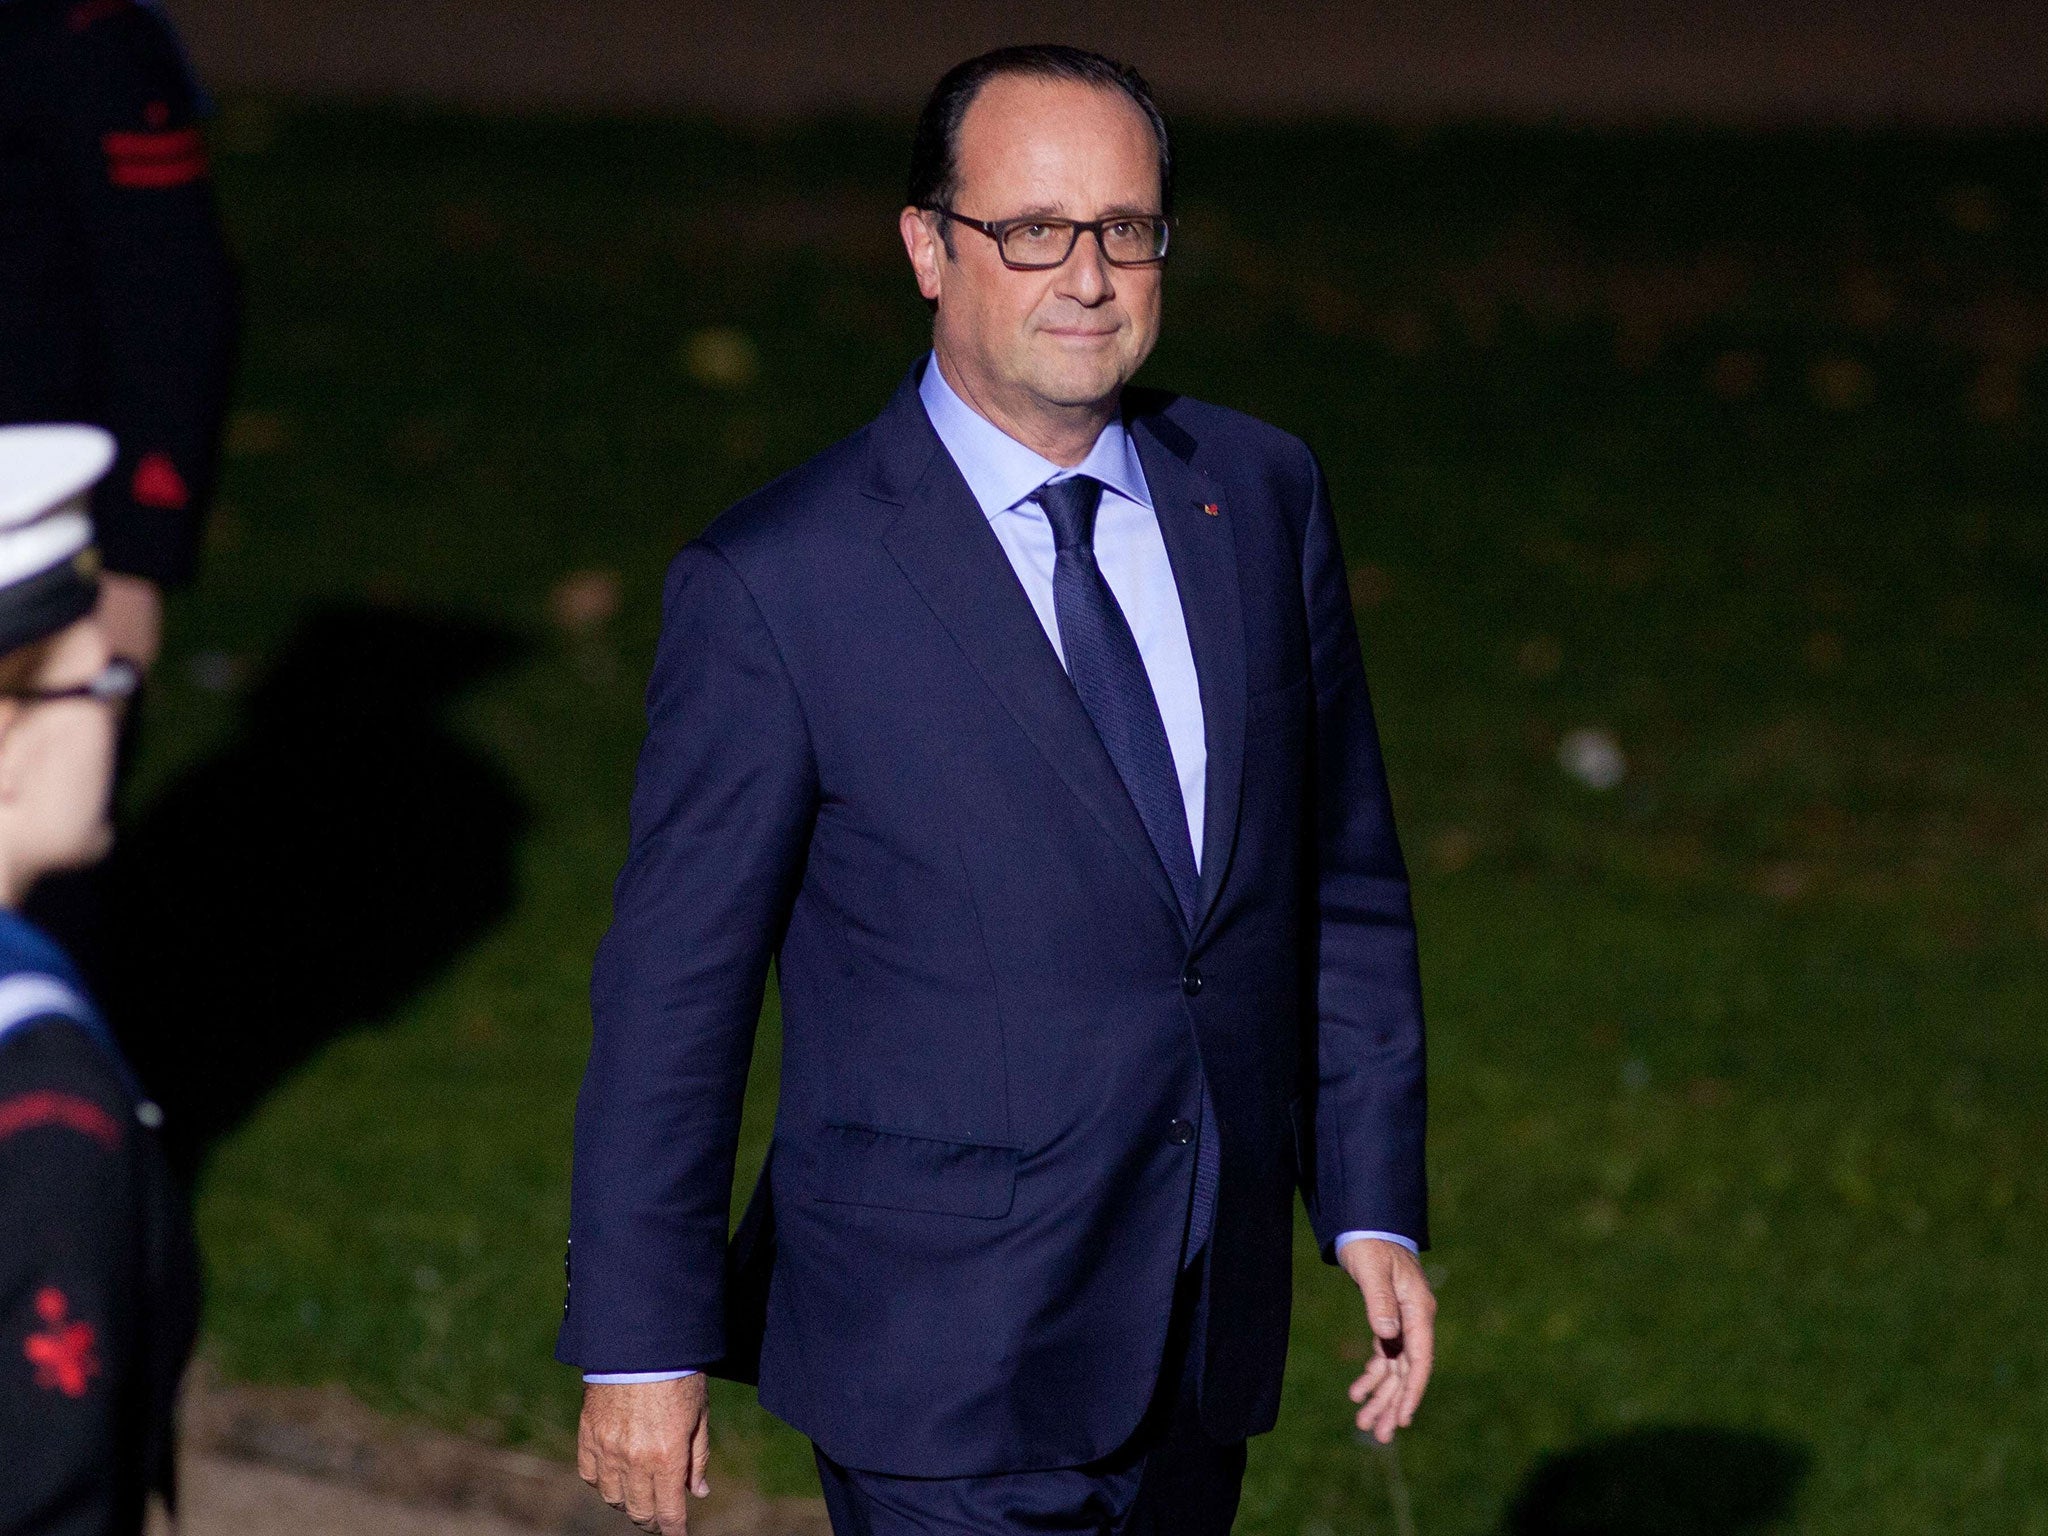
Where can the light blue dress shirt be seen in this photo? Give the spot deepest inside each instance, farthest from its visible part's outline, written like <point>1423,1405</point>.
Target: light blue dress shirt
<point>1003,475</point>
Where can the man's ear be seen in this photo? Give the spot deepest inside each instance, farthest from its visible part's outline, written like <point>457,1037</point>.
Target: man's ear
<point>927,252</point>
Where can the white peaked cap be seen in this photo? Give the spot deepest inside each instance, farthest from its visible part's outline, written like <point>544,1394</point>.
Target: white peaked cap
<point>45,473</point>
<point>47,567</point>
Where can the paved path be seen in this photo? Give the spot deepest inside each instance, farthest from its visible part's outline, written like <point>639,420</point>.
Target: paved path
<point>312,1461</point>
<point>239,1498</point>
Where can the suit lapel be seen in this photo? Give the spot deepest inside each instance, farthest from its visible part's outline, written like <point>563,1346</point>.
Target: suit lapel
<point>1195,522</point>
<point>946,549</point>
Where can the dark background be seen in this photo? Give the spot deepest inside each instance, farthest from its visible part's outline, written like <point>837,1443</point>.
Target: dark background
<point>1724,61</point>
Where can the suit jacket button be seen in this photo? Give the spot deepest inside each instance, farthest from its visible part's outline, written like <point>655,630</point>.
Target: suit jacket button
<point>1191,981</point>
<point>1180,1132</point>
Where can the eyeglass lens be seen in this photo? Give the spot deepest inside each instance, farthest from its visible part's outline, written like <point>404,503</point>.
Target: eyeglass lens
<point>118,679</point>
<point>1048,242</point>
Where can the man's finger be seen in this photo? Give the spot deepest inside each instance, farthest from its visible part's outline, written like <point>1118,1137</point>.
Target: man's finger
<point>1377,1424</point>
<point>641,1498</point>
<point>610,1480</point>
<point>1384,1400</point>
<point>1382,1308</point>
<point>1418,1375</point>
<point>1364,1385</point>
<point>1391,1382</point>
<point>1388,1405</point>
<point>1418,1331</point>
<point>1374,1374</point>
<point>699,1469</point>
<point>672,1499</point>
<point>1389,1423</point>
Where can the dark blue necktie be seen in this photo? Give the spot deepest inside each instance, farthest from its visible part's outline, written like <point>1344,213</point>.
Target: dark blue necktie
<point>1109,674</point>
<point>1107,671</point>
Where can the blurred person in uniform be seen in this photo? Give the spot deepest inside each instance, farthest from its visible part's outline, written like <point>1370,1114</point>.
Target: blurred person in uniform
<point>117,298</point>
<point>117,304</point>
<point>98,1274</point>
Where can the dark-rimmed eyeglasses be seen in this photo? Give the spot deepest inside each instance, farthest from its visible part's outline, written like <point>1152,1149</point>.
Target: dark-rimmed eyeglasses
<point>117,680</point>
<point>1036,245</point>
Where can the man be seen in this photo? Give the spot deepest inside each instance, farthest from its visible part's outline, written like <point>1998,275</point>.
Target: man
<point>116,292</point>
<point>1026,732</point>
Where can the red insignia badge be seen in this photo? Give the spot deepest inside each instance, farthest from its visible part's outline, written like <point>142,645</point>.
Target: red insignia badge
<point>64,1351</point>
<point>163,157</point>
<point>158,484</point>
<point>1212,509</point>
<point>46,1106</point>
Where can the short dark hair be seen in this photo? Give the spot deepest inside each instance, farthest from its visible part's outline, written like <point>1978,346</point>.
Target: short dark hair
<point>934,164</point>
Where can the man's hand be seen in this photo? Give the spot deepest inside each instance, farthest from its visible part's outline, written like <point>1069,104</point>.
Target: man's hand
<point>1402,1312</point>
<point>642,1444</point>
<point>131,611</point>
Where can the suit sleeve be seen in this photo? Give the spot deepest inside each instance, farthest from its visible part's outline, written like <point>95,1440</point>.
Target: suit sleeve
<point>721,818</point>
<point>1367,1119</point>
<point>132,158</point>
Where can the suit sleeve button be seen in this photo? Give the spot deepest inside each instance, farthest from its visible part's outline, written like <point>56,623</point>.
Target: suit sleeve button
<point>1180,1132</point>
<point>1191,981</point>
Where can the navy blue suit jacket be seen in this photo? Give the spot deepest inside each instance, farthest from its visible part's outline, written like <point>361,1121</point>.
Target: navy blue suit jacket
<point>865,763</point>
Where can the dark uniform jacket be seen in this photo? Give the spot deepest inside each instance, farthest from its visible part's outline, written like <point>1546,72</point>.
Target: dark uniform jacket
<point>98,1274</point>
<point>116,293</point>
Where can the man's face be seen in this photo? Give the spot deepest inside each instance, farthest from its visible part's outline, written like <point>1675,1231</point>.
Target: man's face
<point>1074,334</point>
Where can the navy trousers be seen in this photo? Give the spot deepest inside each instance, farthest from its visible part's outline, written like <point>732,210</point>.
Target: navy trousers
<point>1171,1479</point>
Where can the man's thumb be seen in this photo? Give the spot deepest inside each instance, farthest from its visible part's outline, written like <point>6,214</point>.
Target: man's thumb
<point>1380,1307</point>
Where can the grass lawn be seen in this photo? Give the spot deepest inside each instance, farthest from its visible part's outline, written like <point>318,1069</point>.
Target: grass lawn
<point>1730,449</point>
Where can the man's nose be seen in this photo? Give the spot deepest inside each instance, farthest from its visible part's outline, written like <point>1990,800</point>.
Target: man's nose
<point>1087,276</point>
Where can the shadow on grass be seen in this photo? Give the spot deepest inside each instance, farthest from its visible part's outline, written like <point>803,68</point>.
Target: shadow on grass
<point>336,855</point>
<point>1668,1480</point>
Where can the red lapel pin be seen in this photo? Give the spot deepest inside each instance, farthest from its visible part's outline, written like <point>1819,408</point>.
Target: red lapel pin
<point>1210,507</point>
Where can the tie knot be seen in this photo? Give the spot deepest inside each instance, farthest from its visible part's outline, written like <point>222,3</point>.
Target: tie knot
<point>1070,507</point>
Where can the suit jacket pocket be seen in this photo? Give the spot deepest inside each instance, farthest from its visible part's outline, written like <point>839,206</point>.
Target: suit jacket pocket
<point>861,1165</point>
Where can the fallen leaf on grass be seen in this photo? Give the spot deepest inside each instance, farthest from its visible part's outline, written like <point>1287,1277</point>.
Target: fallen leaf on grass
<point>1593,757</point>
<point>722,357</point>
<point>584,600</point>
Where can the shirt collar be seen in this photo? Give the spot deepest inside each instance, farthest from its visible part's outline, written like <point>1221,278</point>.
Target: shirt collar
<point>1002,472</point>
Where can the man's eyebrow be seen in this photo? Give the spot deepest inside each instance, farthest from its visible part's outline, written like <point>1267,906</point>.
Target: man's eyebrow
<point>1059,211</point>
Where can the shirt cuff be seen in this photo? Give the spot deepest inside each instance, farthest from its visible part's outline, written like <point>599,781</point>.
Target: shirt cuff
<point>631,1378</point>
<point>1346,1237</point>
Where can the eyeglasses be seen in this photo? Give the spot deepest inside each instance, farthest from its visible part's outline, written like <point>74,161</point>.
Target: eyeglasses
<point>117,680</point>
<point>1036,245</point>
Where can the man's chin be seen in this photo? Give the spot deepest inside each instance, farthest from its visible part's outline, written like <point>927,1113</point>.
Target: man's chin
<point>1081,386</point>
